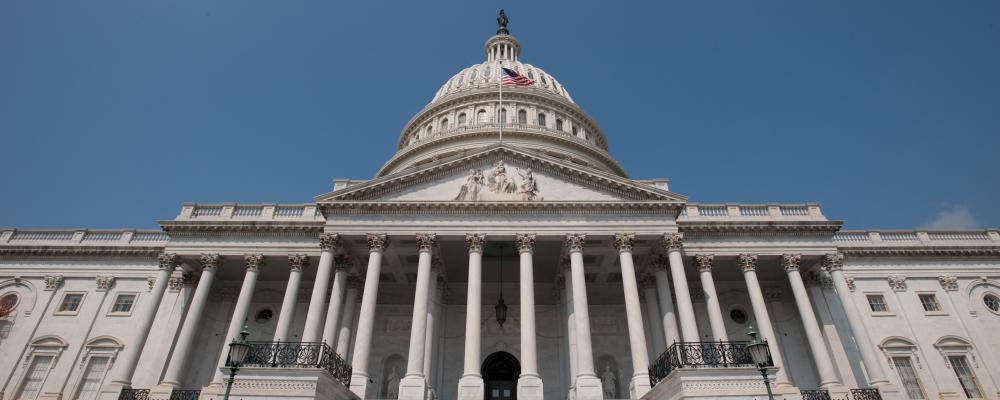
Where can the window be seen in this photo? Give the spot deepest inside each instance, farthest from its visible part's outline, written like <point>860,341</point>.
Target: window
<point>37,372</point>
<point>461,119</point>
<point>522,117</point>
<point>71,303</point>
<point>428,130</point>
<point>738,316</point>
<point>502,115</point>
<point>92,377</point>
<point>992,302</point>
<point>123,304</point>
<point>908,376</point>
<point>5,327</point>
<point>930,302</point>
<point>559,124</point>
<point>574,131</point>
<point>264,315</point>
<point>481,116</point>
<point>444,124</point>
<point>541,119</point>
<point>877,303</point>
<point>965,376</point>
<point>7,304</point>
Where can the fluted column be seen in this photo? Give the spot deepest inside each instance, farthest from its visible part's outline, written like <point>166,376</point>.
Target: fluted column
<point>328,243</point>
<point>668,315</point>
<point>648,285</point>
<point>588,386</point>
<point>711,298</point>
<point>470,386</point>
<point>347,320</point>
<point>413,386</point>
<point>633,310</point>
<point>748,264</point>
<point>366,319</point>
<point>672,243</point>
<point>239,319</point>
<point>529,384</point>
<point>341,263</point>
<point>296,263</point>
<point>182,349</point>
<point>827,373</point>
<point>876,374</point>
<point>432,316</point>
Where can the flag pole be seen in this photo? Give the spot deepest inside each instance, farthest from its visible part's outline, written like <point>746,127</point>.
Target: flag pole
<point>500,111</point>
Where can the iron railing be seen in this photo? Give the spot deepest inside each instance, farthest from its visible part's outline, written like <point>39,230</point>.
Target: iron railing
<point>298,355</point>
<point>854,394</point>
<point>134,394</point>
<point>700,355</point>
<point>185,394</point>
<point>817,394</point>
<point>865,394</point>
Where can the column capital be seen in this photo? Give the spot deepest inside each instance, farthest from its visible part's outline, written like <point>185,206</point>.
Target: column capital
<point>948,282</point>
<point>575,241</point>
<point>658,262</point>
<point>377,242</point>
<point>672,242</point>
<point>210,261</point>
<point>833,261</point>
<point>791,262</point>
<point>624,242</point>
<point>329,241</point>
<point>525,242</point>
<point>179,279</point>
<point>704,262</point>
<point>342,261</point>
<point>167,261</point>
<point>748,262</point>
<point>104,282</point>
<point>52,282</point>
<point>897,282</point>
<point>475,242</point>
<point>297,262</point>
<point>426,242</point>
<point>253,261</point>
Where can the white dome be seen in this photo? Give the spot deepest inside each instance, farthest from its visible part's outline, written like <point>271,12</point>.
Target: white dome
<point>487,74</point>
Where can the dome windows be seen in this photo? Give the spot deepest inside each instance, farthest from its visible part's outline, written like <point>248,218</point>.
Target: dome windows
<point>574,131</point>
<point>461,119</point>
<point>444,124</point>
<point>522,117</point>
<point>481,116</point>
<point>502,115</point>
<point>541,119</point>
<point>559,124</point>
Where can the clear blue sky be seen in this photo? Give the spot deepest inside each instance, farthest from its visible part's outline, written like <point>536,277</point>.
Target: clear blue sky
<point>113,113</point>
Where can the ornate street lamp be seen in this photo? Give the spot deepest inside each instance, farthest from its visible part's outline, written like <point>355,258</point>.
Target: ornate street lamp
<point>501,308</point>
<point>238,350</point>
<point>761,356</point>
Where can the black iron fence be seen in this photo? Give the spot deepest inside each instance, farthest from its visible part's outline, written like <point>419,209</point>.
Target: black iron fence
<point>185,394</point>
<point>700,355</point>
<point>816,394</point>
<point>298,355</point>
<point>854,394</point>
<point>865,394</point>
<point>134,394</point>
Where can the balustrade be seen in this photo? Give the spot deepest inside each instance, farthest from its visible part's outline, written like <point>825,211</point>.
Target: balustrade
<point>298,355</point>
<point>185,394</point>
<point>700,355</point>
<point>854,394</point>
<point>134,394</point>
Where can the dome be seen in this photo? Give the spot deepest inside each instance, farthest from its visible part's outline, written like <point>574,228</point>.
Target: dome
<point>487,74</point>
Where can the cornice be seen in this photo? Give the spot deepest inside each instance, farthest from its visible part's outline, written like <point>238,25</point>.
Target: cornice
<point>728,227</point>
<point>243,226</point>
<point>480,207</point>
<point>63,251</point>
<point>928,251</point>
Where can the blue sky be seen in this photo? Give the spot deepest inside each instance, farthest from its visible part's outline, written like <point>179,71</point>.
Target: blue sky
<point>113,113</point>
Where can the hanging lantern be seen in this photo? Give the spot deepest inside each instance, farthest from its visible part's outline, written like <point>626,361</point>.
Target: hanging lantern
<point>501,308</point>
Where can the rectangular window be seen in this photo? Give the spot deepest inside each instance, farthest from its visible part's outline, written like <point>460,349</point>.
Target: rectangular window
<point>908,375</point>
<point>930,302</point>
<point>36,376</point>
<point>123,303</point>
<point>966,377</point>
<point>92,378</point>
<point>877,303</point>
<point>71,302</point>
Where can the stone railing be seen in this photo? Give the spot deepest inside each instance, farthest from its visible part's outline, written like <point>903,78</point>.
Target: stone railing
<point>917,238</point>
<point>751,212</point>
<point>245,212</point>
<point>87,237</point>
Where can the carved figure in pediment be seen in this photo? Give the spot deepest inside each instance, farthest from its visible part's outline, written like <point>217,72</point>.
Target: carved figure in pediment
<point>473,183</point>
<point>498,181</point>
<point>529,189</point>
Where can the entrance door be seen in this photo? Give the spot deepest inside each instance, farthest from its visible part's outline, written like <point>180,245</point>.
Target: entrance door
<point>500,372</point>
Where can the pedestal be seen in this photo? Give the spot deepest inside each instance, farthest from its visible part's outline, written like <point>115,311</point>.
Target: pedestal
<point>529,388</point>
<point>639,386</point>
<point>589,388</point>
<point>471,388</point>
<point>714,384</point>
<point>413,388</point>
<point>110,391</point>
<point>282,383</point>
<point>162,391</point>
<point>360,385</point>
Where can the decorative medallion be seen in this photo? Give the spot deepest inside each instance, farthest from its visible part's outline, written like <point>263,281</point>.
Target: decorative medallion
<point>897,282</point>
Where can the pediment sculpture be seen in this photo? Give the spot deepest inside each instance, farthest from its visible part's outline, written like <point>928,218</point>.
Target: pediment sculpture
<point>499,184</point>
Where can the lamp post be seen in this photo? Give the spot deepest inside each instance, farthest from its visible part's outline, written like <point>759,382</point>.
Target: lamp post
<point>238,350</point>
<point>761,356</point>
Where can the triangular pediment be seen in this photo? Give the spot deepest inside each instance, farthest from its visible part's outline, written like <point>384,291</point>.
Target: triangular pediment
<point>502,173</point>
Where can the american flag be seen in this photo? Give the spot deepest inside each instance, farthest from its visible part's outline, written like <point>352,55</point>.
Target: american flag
<point>511,77</point>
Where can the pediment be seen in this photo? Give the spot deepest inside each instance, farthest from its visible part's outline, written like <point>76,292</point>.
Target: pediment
<point>505,174</point>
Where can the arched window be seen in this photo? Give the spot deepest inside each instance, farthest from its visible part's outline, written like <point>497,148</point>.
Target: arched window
<point>502,115</point>
<point>7,304</point>
<point>472,76</point>
<point>541,119</point>
<point>543,79</point>
<point>428,130</point>
<point>559,124</point>
<point>461,119</point>
<point>522,117</point>
<point>531,75</point>
<point>481,116</point>
<point>444,124</point>
<point>574,131</point>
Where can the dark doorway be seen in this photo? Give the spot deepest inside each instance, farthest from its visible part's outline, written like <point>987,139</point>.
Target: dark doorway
<point>500,372</point>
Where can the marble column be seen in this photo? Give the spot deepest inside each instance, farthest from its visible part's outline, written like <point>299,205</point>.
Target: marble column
<point>529,384</point>
<point>347,321</point>
<point>876,374</point>
<point>240,311</point>
<point>648,284</point>
<point>124,367</point>
<point>570,321</point>
<point>366,318</point>
<point>748,264</point>
<point>432,322</point>
<point>827,374</point>
<point>672,243</point>
<point>470,386</point>
<point>633,312</point>
<point>668,315</point>
<point>588,386</point>
<point>331,326</point>
<point>328,243</point>
<point>296,263</point>
<point>711,298</point>
<point>413,386</point>
<point>174,376</point>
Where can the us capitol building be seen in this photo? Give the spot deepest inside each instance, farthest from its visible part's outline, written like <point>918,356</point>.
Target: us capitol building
<point>501,253</point>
